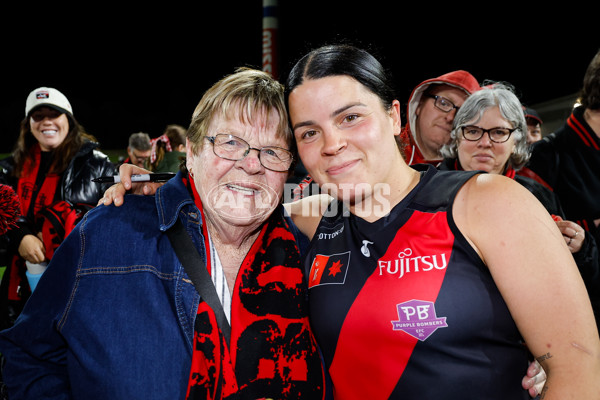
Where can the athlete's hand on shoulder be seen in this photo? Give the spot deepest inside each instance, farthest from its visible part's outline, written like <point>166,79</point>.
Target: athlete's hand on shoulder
<point>116,193</point>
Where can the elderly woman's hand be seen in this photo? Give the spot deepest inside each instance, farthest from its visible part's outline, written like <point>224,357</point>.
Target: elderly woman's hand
<point>535,379</point>
<point>115,193</point>
<point>573,233</point>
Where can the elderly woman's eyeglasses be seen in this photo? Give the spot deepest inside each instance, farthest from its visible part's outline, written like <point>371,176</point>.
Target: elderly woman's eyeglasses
<point>233,148</point>
<point>497,135</point>
<point>442,103</point>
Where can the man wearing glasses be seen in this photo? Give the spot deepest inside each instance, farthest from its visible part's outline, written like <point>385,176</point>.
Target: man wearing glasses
<point>431,110</point>
<point>139,149</point>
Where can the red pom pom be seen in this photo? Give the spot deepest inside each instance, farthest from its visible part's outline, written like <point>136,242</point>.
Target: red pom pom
<point>9,208</point>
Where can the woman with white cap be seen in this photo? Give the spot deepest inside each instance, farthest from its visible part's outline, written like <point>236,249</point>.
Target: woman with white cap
<point>50,168</point>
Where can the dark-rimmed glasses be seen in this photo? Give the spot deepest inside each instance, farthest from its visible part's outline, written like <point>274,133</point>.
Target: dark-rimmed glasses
<point>442,103</point>
<point>497,135</point>
<point>233,148</point>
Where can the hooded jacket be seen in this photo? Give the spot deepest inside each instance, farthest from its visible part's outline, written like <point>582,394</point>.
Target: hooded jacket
<point>459,79</point>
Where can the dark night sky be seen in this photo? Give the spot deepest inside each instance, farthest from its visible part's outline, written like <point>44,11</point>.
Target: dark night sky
<point>139,70</point>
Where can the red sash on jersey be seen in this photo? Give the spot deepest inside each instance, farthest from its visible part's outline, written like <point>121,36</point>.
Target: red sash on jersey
<point>374,366</point>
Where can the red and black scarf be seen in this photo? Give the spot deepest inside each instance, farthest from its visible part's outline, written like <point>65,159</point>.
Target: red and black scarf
<point>33,197</point>
<point>273,353</point>
<point>27,188</point>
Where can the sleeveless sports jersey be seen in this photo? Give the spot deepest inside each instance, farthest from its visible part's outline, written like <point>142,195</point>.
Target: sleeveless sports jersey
<point>404,308</point>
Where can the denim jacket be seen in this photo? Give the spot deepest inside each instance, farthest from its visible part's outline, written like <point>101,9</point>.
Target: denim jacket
<point>113,315</point>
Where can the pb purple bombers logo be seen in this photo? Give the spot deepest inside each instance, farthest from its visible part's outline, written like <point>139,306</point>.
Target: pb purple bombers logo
<point>418,319</point>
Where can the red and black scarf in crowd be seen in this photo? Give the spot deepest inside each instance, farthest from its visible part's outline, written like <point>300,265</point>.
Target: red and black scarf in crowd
<point>273,353</point>
<point>28,191</point>
<point>33,197</point>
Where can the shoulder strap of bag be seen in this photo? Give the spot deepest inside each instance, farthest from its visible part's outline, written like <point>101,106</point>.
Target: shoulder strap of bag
<point>195,268</point>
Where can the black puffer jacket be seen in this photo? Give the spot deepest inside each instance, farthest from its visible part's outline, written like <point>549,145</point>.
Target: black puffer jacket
<point>76,185</point>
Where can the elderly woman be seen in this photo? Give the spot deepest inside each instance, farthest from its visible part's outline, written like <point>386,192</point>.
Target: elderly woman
<point>116,317</point>
<point>490,134</point>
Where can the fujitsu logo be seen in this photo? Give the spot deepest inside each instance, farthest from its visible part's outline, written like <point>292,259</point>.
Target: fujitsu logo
<point>406,263</point>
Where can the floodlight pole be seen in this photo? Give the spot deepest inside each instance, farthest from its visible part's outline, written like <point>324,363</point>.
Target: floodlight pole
<point>270,25</point>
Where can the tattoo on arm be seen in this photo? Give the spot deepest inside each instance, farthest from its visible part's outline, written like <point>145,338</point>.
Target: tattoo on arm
<point>540,359</point>
<point>544,357</point>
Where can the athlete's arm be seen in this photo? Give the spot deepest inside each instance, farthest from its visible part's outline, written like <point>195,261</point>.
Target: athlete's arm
<point>538,279</point>
<point>307,212</point>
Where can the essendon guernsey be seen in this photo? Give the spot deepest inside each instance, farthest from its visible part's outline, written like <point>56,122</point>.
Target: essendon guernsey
<point>403,308</point>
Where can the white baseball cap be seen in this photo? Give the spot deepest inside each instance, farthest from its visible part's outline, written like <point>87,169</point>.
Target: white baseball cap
<point>49,97</point>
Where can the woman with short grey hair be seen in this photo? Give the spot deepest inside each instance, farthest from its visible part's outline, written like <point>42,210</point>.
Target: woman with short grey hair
<point>472,111</point>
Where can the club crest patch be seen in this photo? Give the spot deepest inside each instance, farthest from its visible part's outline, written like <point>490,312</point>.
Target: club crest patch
<point>329,269</point>
<point>418,318</point>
